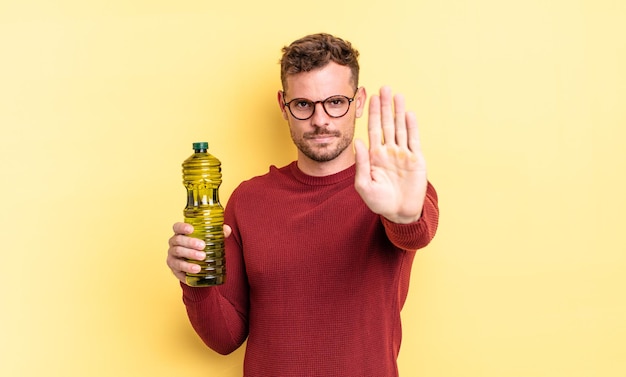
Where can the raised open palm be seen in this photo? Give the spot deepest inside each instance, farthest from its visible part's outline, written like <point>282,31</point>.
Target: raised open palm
<point>391,175</point>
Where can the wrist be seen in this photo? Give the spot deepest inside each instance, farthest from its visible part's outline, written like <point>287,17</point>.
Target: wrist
<point>403,219</point>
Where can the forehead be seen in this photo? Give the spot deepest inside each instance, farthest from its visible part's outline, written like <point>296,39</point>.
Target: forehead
<point>321,83</point>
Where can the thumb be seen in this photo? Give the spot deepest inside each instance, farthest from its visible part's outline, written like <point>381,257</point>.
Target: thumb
<point>362,175</point>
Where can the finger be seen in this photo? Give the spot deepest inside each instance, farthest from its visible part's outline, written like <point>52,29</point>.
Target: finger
<point>373,122</point>
<point>180,275</point>
<point>180,252</point>
<point>386,116</point>
<point>413,136</point>
<point>362,176</point>
<point>182,228</point>
<point>186,242</point>
<point>180,267</point>
<point>400,121</point>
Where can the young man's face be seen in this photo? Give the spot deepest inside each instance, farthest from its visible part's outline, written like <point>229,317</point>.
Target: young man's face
<point>321,137</point>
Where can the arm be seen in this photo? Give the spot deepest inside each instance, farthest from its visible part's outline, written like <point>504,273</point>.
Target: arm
<point>217,314</point>
<point>391,174</point>
<point>414,236</point>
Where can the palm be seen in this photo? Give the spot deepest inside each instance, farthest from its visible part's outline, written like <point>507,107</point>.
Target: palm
<point>391,175</point>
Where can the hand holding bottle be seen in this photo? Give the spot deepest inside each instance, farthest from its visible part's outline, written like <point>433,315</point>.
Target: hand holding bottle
<point>182,247</point>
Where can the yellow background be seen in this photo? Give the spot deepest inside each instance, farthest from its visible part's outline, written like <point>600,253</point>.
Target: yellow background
<point>522,106</point>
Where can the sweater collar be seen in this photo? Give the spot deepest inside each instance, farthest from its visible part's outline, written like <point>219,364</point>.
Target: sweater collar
<point>324,180</point>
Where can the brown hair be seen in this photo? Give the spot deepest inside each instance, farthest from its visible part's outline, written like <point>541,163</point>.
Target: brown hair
<point>315,51</point>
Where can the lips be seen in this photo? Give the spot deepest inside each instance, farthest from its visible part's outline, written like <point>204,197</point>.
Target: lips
<point>320,135</point>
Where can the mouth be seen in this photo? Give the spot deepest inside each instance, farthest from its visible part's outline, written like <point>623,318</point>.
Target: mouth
<point>325,137</point>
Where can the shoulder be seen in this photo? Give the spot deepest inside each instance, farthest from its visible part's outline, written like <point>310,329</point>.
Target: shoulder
<point>274,177</point>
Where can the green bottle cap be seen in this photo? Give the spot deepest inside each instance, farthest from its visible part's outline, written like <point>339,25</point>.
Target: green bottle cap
<point>200,145</point>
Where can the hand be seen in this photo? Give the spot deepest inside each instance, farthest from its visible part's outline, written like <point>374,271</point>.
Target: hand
<point>183,247</point>
<point>391,176</point>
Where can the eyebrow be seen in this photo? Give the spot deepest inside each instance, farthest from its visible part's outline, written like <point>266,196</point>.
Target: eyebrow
<point>308,99</point>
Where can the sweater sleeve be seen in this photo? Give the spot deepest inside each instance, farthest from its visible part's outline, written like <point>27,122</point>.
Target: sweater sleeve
<point>219,314</point>
<point>416,235</point>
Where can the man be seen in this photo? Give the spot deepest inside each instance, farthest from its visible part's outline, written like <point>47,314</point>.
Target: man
<point>319,252</point>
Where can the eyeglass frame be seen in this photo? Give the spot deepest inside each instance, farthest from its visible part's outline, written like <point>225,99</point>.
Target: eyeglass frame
<point>350,100</point>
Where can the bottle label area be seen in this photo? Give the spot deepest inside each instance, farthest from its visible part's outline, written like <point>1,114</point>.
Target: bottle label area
<point>205,213</point>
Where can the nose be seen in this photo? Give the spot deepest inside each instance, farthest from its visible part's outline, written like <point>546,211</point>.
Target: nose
<point>319,117</point>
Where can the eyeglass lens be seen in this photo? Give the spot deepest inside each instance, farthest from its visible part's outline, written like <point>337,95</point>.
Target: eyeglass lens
<point>335,106</point>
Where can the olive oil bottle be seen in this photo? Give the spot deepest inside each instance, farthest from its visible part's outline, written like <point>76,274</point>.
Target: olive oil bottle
<point>202,177</point>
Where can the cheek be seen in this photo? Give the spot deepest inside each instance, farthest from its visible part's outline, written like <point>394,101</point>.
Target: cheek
<point>293,127</point>
<point>349,122</point>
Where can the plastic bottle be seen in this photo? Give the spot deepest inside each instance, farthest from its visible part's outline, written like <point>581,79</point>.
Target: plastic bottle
<point>202,176</point>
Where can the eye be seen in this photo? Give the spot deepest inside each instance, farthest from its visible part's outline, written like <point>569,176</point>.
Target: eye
<point>336,102</point>
<point>302,104</point>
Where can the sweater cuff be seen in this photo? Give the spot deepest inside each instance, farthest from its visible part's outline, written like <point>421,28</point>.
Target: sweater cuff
<point>410,237</point>
<point>402,231</point>
<point>195,294</point>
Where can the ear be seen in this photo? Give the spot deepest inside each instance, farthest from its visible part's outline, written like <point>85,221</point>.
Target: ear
<point>361,97</point>
<point>281,101</point>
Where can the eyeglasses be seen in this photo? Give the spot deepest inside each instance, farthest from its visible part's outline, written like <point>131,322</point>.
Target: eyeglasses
<point>335,106</point>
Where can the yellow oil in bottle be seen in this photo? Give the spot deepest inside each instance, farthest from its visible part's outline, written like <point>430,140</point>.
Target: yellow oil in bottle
<point>202,177</point>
